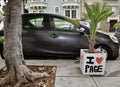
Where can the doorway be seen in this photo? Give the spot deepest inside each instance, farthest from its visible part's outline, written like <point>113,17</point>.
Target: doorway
<point>112,22</point>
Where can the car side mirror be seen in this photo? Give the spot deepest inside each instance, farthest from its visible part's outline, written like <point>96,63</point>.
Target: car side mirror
<point>82,30</point>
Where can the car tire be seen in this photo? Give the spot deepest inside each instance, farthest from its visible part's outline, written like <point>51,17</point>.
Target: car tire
<point>108,51</point>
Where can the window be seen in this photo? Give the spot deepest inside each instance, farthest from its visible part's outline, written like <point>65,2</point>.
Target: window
<point>57,9</point>
<point>67,13</point>
<point>38,22</point>
<point>114,9</point>
<point>34,23</point>
<point>73,13</point>
<point>70,13</point>
<point>63,25</point>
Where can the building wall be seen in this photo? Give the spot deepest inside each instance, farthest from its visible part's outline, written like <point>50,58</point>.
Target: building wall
<point>51,4</point>
<point>115,4</point>
<point>106,24</point>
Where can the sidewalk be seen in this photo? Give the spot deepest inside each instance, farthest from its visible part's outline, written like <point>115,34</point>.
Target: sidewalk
<point>68,74</point>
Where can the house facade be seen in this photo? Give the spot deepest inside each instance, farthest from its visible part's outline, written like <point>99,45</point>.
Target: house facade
<point>73,9</point>
<point>108,24</point>
<point>70,8</point>
<point>115,4</point>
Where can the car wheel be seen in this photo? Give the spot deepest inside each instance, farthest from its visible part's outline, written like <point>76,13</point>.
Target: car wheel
<point>108,51</point>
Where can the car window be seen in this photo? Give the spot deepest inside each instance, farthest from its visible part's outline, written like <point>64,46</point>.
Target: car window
<point>36,23</point>
<point>64,25</point>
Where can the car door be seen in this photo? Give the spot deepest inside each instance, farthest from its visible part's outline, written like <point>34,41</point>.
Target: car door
<point>68,35</point>
<point>35,34</point>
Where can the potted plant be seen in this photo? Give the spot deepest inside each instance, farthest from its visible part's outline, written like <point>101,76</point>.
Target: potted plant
<point>92,61</point>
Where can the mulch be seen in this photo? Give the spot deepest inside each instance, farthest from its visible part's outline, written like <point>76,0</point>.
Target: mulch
<point>42,82</point>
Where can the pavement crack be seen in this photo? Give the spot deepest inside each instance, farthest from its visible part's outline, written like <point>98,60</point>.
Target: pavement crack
<point>94,81</point>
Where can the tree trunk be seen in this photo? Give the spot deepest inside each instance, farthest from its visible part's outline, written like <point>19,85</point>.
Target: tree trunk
<point>18,71</point>
<point>91,45</point>
<point>13,34</point>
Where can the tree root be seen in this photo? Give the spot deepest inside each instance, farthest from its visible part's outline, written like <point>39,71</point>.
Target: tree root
<point>20,75</point>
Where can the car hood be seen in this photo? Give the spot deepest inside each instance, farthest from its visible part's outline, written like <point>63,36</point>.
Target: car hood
<point>106,33</point>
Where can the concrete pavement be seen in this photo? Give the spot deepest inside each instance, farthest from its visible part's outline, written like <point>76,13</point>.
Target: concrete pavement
<point>68,73</point>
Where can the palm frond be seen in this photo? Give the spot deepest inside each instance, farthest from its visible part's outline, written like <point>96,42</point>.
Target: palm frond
<point>96,13</point>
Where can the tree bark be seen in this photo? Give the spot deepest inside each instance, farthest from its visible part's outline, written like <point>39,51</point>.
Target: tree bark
<point>91,45</point>
<point>13,34</point>
<point>19,73</point>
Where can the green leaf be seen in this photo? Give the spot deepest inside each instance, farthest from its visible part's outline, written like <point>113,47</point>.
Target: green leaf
<point>74,21</point>
<point>1,40</point>
<point>89,11</point>
<point>117,25</point>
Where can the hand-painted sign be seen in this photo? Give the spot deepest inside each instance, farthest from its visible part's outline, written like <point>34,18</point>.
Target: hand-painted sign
<point>92,64</point>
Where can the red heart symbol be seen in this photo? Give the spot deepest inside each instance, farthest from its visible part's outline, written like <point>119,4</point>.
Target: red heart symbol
<point>99,59</point>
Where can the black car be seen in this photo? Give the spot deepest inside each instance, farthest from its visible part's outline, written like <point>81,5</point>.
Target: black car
<point>117,34</point>
<point>47,34</point>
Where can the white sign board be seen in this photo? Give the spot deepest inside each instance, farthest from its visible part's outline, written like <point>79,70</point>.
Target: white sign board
<point>92,63</point>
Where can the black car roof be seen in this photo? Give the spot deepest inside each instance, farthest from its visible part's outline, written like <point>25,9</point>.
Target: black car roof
<point>50,14</point>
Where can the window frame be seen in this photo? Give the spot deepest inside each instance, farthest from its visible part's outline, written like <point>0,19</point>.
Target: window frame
<point>29,25</point>
<point>58,9</point>
<point>70,12</point>
<point>114,9</point>
<point>58,29</point>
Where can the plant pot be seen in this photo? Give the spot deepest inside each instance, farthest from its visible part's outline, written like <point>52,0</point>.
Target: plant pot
<point>92,63</point>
